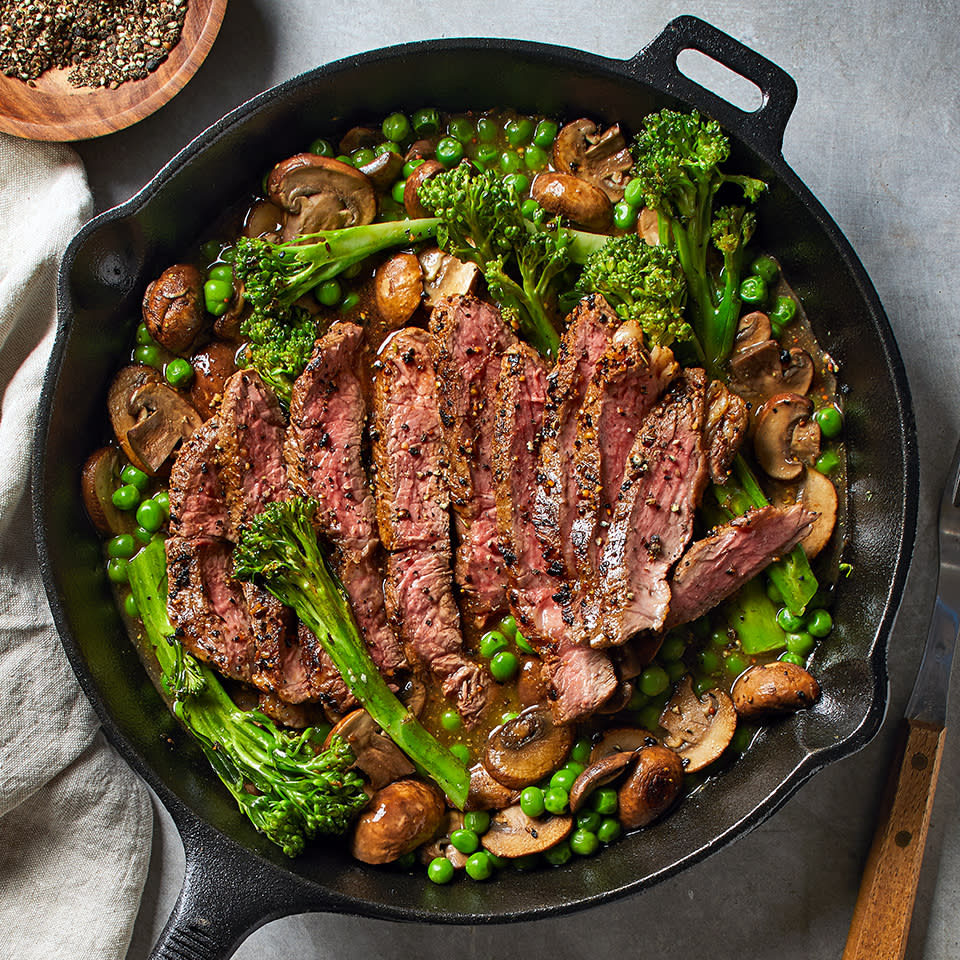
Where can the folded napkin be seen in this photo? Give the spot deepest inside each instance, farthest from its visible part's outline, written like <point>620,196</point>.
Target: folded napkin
<point>75,821</point>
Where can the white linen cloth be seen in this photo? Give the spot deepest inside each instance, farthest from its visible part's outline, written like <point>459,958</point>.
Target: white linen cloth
<point>75,821</point>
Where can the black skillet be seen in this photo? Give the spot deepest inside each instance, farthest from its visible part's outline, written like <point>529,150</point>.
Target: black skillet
<point>235,880</point>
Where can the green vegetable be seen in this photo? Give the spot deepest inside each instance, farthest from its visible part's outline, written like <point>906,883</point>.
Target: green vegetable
<point>555,800</point>
<point>425,122</point>
<point>491,643</point>
<point>604,800</point>
<point>477,820</point>
<point>142,337</point>
<point>396,191</point>
<point>328,293</point>
<point>133,475</point>
<point>830,421</point>
<point>504,666</point>
<point>466,841</point>
<point>130,607</point>
<point>289,787</point>
<point>819,623</point>
<point>545,133</point>
<point>519,131</point>
<point>519,182</point>
<point>449,151</point>
<point>801,643</point>
<point>827,462</point>
<point>178,372</point>
<point>478,866</point>
<point>486,154</point>
<point>396,127</point>
<point>766,268</point>
<point>654,680</point>
<point>150,515</point>
<point>487,130</point>
<point>523,644</point>
<point>122,545</point>
<point>584,843</point>
<point>363,156</point>
<point>793,658</point>
<point>148,355</point>
<point>217,295</point>
<point>589,820</point>
<point>609,830</point>
<point>783,312</point>
<point>531,802</point>
<point>322,148</point>
<point>117,569</point>
<point>563,779</point>
<point>753,290</point>
<point>462,129</point>
<point>510,161</point>
<point>440,870</point>
<point>534,158</point>
<point>581,750</point>
<point>789,621</point>
<point>624,215</point>
<point>279,547</point>
<point>125,497</point>
<point>754,616</point>
<point>558,855</point>
<point>735,664</point>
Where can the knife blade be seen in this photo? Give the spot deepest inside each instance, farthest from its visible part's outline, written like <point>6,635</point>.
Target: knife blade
<point>888,888</point>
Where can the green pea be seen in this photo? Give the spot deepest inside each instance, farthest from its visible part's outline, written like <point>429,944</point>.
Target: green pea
<point>508,627</point>
<point>654,680</point>
<point>328,293</point>
<point>478,866</point>
<point>508,715</point>
<point>466,841</point>
<point>343,158</point>
<point>789,621</point>
<point>143,338</point>
<point>509,161</point>
<point>574,767</point>
<point>563,779</point>
<point>792,658</point>
<point>518,181</point>
<point>135,476</point>
<point>555,800</point>
<point>581,750</point>
<point>708,661</point>
<point>178,372</point>
<point>633,193</point>
<point>123,545</point>
<point>800,643</point>
<point>461,751</point>
<point>425,121</point>
<point>117,569</point>
<point>589,820</point>
<point>532,801</point>
<point>638,700</point>
<point>221,271</point>
<point>672,647</point>
<point>827,462</point>
<point>321,147</point>
<point>545,133</point>
<point>624,215</point>
<point>126,497</point>
<point>486,154</point>
<point>449,151</point>
<point>362,157</point>
<point>150,515</point>
<point>462,129</point>
<point>130,607</point>
<point>558,855</point>
<point>609,830</point>
<point>719,638</point>
<point>440,870</point>
<point>529,207</point>
<point>702,684</point>
<point>523,643</point>
<point>785,309</point>
<point>529,861</point>
<point>491,643</point>
<point>675,670</point>
<point>451,720</point>
<point>819,623</point>
<point>604,801</point>
<point>143,535</point>
<point>584,843</point>
<point>519,131</point>
<point>412,165</point>
<point>396,127</point>
<point>406,861</point>
<point>350,301</point>
<point>753,289</point>
<point>388,146</point>
<point>504,666</point>
<point>477,820</point>
<point>830,421</point>
<point>742,737</point>
<point>766,268</point>
<point>217,295</point>
<point>148,355</point>
<point>735,664</point>
<point>210,249</point>
<point>535,158</point>
<point>396,191</point>
<point>649,716</point>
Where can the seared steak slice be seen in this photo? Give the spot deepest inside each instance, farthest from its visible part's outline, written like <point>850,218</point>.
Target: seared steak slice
<point>323,454</point>
<point>250,448</point>
<point>714,568</point>
<point>197,506</point>
<point>468,339</point>
<point>653,517</point>
<point>275,644</point>
<point>586,339</point>
<point>580,678</point>
<point>323,678</point>
<point>627,383</point>
<point>412,510</point>
<point>725,427</point>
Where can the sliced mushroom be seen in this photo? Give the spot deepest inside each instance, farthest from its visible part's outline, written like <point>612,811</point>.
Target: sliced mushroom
<point>600,158</point>
<point>376,755</point>
<point>422,149</point>
<point>413,695</point>
<point>513,834</point>
<point>786,436</point>
<point>173,307</point>
<point>320,193</point>
<point>212,366</point>
<point>98,480</point>
<point>621,739</point>
<point>797,376</point>
<point>527,748</point>
<point>648,226</point>
<point>125,384</point>
<point>651,788</point>
<point>569,196</point>
<point>446,276</point>
<point>398,289</point>
<point>598,774</point>
<point>411,188</point>
<point>264,219</point>
<point>485,792</point>
<point>752,329</point>
<point>531,686</point>
<point>441,846</point>
<point>699,730</point>
<point>163,419</point>
<point>769,689</point>
<point>819,495</point>
<point>359,138</point>
<point>398,819</point>
<point>384,169</point>
<point>758,369</point>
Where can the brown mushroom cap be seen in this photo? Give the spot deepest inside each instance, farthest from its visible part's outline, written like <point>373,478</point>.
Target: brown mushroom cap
<point>398,289</point>
<point>818,494</point>
<point>384,169</point>
<point>757,367</point>
<point>127,381</point>
<point>769,689</point>
<point>513,834</point>
<point>599,773</point>
<point>600,158</point>
<point>798,372</point>
<point>753,328</point>
<point>98,480</point>
<point>398,819</point>
<point>173,307</point>
<point>785,435</point>
<point>376,755</point>
<point>648,226</point>
<point>320,193</point>
<point>486,793</point>
<point>212,366</point>
<point>699,730</point>
<point>163,418</point>
<point>446,276</point>
<point>411,188</point>
<point>358,138</point>
<point>569,196</point>
<point>620,739</point>
<point>264,219</point>
<point>527,748</point>
<point>651,788</point>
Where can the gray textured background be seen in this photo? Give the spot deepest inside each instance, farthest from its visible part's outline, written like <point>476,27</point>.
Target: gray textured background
<point>874,136</point>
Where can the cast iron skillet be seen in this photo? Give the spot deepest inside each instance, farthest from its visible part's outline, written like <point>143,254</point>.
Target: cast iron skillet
<point>235,880</point>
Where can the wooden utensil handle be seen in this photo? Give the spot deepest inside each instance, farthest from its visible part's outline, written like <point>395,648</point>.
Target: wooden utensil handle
<point>881,917</point>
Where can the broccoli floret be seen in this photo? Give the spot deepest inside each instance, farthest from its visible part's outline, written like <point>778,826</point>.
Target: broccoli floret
<point>279,547</point>
<point>287,784</point>
<point>481,223</point>
<point>278,346</point>
<point>677,166</point>
<point>643,284</point>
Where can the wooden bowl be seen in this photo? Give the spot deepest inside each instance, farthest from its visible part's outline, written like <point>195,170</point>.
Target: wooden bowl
<point>55,110</point>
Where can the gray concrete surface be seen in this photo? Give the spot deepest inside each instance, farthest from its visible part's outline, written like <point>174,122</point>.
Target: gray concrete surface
<point>874,136</point>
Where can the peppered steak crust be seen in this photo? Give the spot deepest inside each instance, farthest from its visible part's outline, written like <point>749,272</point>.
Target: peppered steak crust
<point>197,505</point>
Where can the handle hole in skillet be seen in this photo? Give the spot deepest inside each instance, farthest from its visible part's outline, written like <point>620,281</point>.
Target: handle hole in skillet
<point>724,82</point>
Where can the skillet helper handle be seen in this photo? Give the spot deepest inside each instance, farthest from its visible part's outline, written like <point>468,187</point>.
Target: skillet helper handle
<point>881,917</point>
<point>764,127</point>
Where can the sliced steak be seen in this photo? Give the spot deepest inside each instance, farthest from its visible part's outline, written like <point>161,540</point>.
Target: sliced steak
<point>725,427</point>
<point>275,644</point>
<point>580,678</point>
<point>325,682</point>
<point>586,339</point>
<point>627,383</point>
<point>653,518</point>
<point>412,511</point>
<point>197,505</point>
<point>323,452</point>
<point>468,339</point>
<point>250,448</point>
<point>714,568</point>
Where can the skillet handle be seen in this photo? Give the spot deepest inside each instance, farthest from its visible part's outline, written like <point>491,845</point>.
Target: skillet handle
<point>764,127</point>
<point>225,897</point>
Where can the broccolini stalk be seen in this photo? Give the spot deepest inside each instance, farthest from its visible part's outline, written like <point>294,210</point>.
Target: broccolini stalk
<point>279,546</point>
<point>287,784</point>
